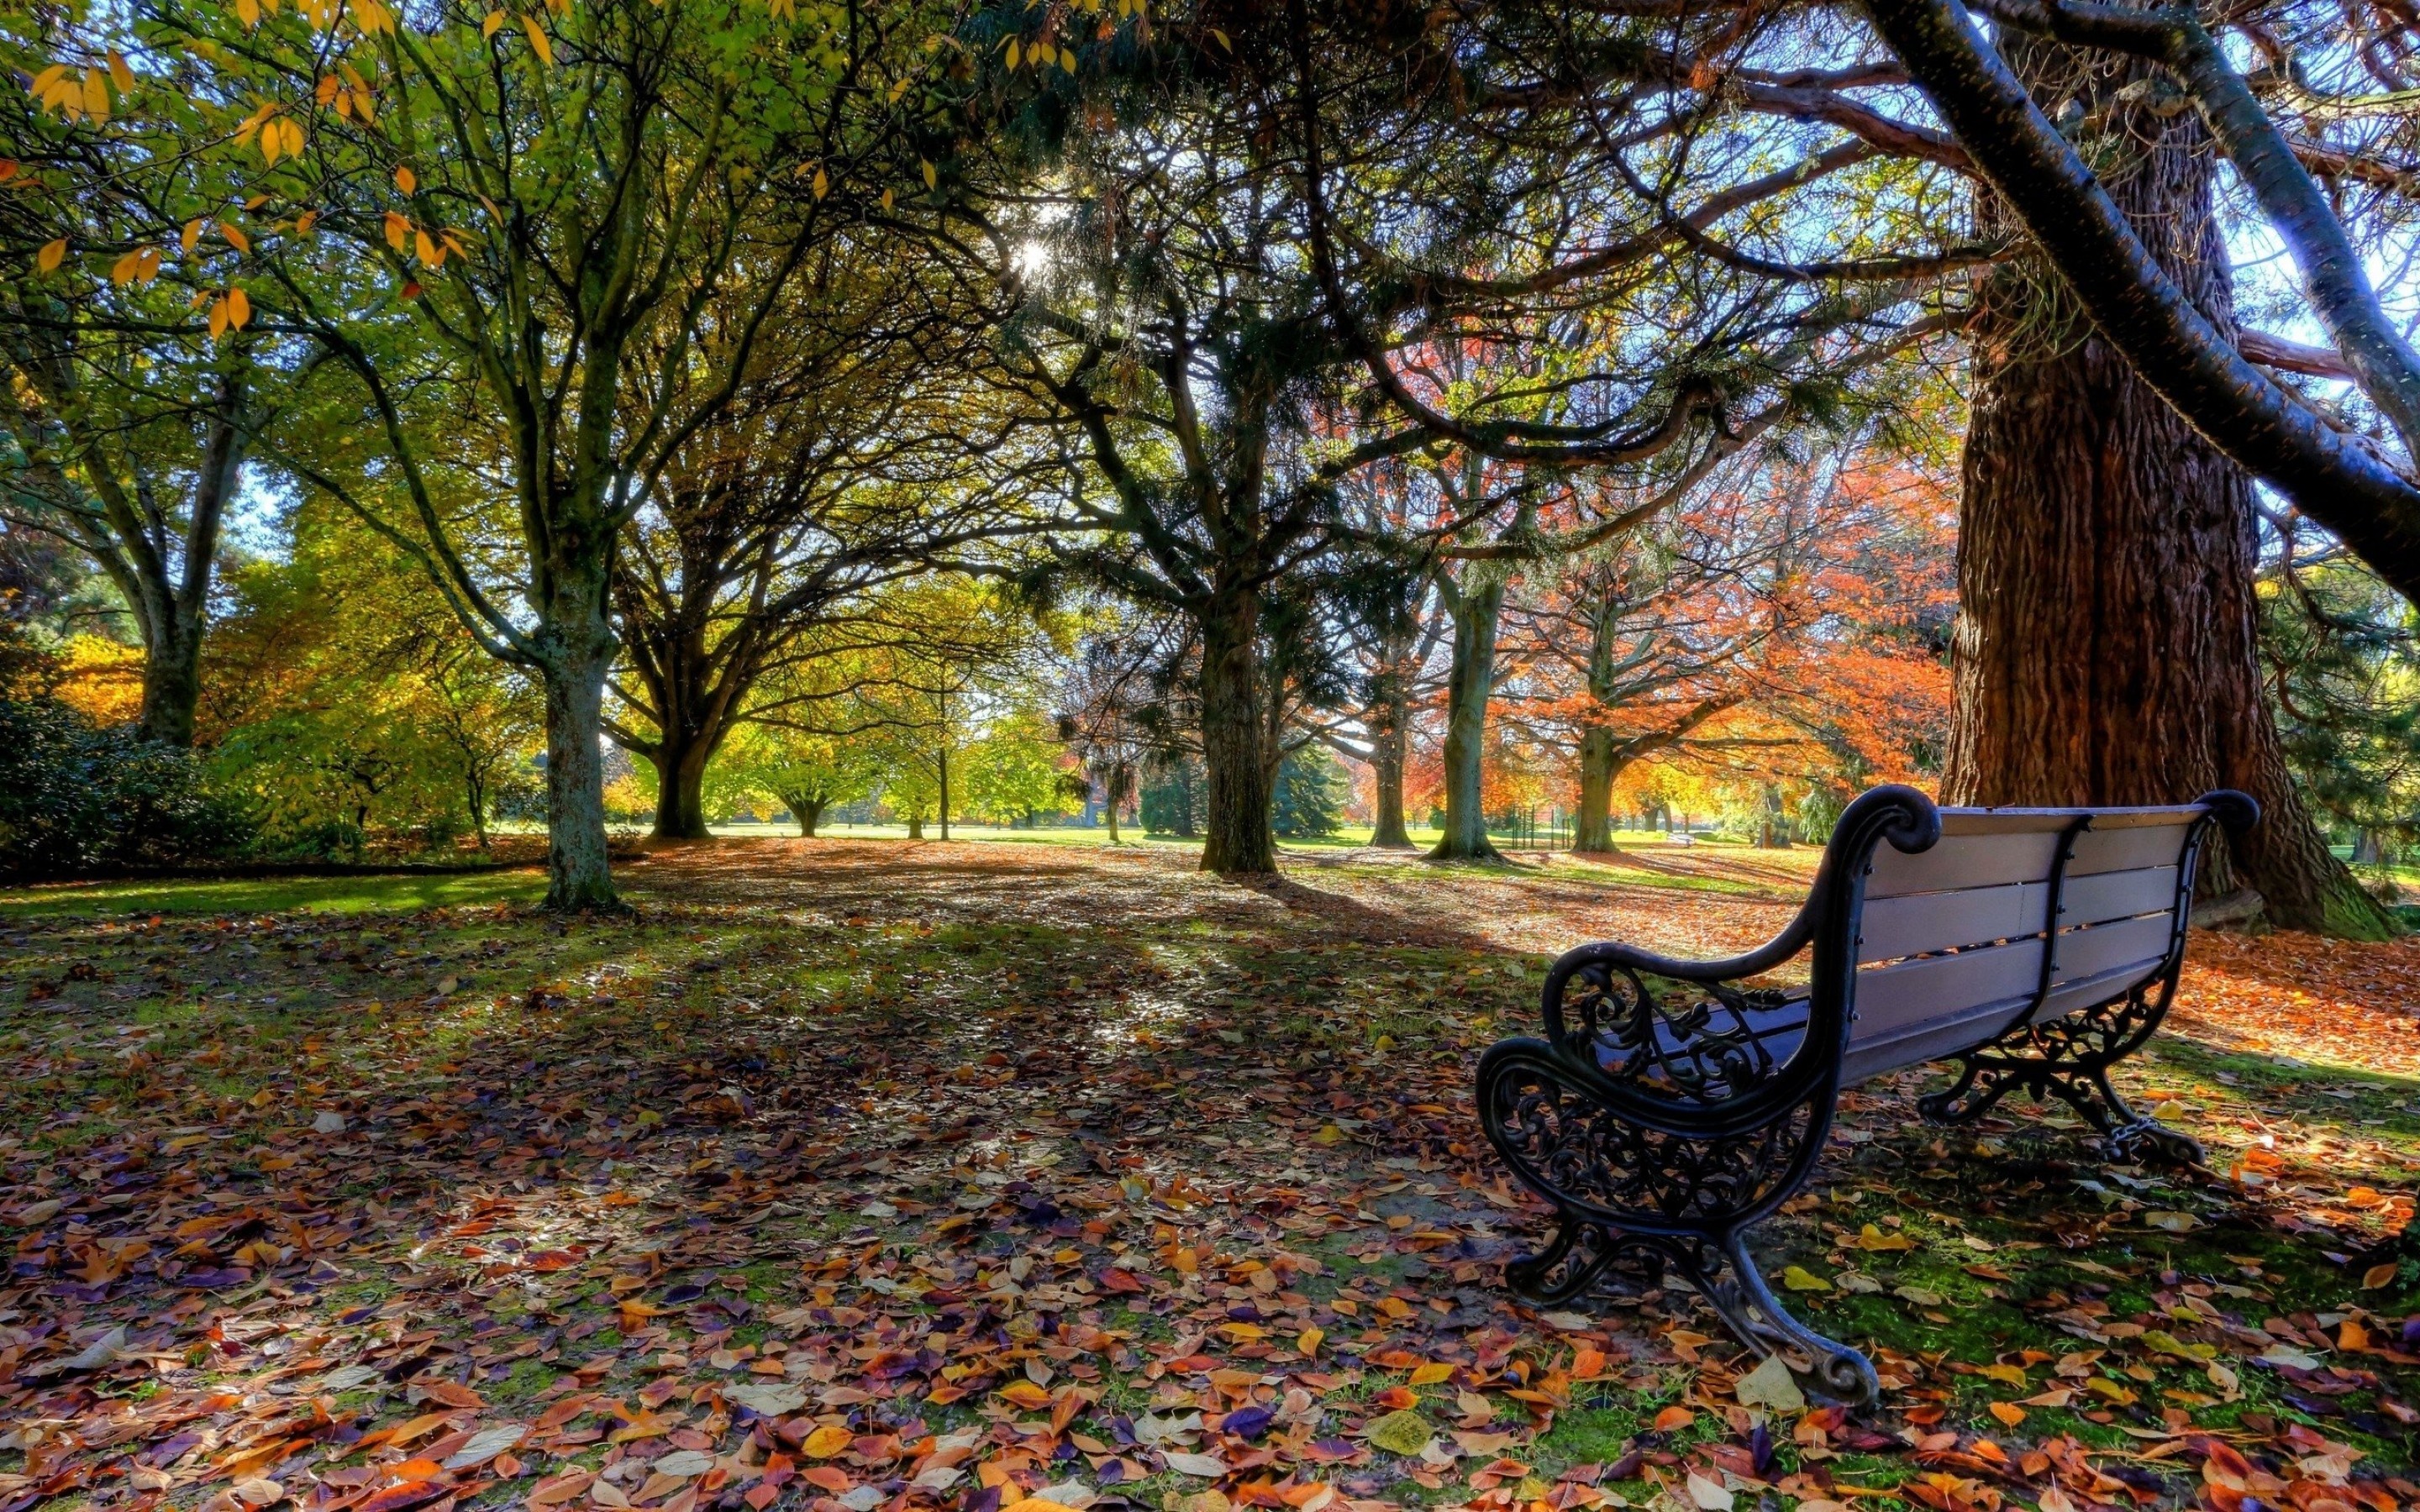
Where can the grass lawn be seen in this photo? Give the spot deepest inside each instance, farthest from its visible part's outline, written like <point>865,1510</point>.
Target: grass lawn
<point>852,1174</point>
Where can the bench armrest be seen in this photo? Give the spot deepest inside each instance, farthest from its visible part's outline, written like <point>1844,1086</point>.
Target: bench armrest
<point>1901,815</point>
<point>1706,1048</point>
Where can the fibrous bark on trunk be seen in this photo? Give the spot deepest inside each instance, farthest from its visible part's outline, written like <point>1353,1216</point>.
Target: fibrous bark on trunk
<point>576,649</point>
<point>1387,761</point>
<point>1476,606</point>
<point>2106,644</point>
<point>1235,766</point>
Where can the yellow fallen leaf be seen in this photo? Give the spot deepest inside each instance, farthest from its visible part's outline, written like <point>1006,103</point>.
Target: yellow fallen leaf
<point>1798,1278</point>
<point>825,1441</point>
<point>1429,1373</point>
<point>2008,1414</point>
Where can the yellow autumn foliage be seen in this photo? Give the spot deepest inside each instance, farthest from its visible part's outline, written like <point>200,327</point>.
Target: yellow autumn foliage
<point>100,679</point>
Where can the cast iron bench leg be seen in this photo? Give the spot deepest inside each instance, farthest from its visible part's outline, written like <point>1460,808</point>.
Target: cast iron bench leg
<point>2070,1059</point>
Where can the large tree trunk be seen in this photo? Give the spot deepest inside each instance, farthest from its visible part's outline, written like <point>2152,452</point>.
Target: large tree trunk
<point>2105,647</point>
<point>576,649</point>
<point>1236,769</point>
<point>1601,756</point>
<point>808,812</point>
<point>172,680</point>
<point>1389,748</point>
<point>680,756</point>
<point>1386,764</point>
<point>1592,828</point>
<point>1475,610</point>
<point>172,650</point>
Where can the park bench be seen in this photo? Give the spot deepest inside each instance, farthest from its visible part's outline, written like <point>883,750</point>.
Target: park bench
<point>1669,1108</point>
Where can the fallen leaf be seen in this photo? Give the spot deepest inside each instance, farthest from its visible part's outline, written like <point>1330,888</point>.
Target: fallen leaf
<point>1403,1432</point>
<point>1770,1384</point>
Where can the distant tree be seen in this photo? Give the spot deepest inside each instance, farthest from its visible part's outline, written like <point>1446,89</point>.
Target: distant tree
<point>533,226</point>
<point>1013,767</point>
<point>1787,618</point>
<point>2341,652</point>
<point>346,700</point>
<point>1113,711</point>
<point>130,452</point>
<point>804,773</point>
<point>1312,788</point>
<point>1172,796</point>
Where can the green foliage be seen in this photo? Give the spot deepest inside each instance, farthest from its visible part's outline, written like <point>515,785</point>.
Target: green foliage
<point>1175,798</point>
<point>2345,680</point>
<point>74,796</point>
<point>1014,770</point>
<point>763,766</point>
<point>349,707</point>
<point>1312,788</point>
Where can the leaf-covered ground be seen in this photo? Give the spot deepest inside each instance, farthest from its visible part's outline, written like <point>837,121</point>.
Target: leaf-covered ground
<point>857,1176</point>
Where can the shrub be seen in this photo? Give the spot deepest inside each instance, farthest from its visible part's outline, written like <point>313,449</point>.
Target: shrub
<point>75,797</point>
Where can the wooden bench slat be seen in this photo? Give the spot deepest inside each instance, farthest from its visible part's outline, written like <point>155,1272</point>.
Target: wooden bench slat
<point>1960,862</point>
<point>2086,992</point>
<point>1893,998</point>
<point>2099,850</point>
<point>2107,895</point>
<point>2086,952</point>
<point>1917,923</point>
<point>1928,1040</point>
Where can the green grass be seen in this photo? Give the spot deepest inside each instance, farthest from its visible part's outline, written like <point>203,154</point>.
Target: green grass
<point>404,893</point>
<point>1352,837</point>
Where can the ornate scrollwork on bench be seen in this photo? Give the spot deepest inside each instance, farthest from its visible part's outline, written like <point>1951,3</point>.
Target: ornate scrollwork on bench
<point>2070,1059</point>
<point>1669,1106</point>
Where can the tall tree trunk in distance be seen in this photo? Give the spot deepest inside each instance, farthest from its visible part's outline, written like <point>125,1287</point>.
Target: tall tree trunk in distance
<point>1772,821</point>
<point>177,599</point>
<point>575,651</point>
<point>945,783</point>
<point>474,791</point>
<point>1387,765</point>
<point>1601,756</point>
<point>1236,769</point>
<point>1389,748</point>
<point>679,756</point>
<point>808,812</point>
<point>1593,827</point>
<point>2106,646</point>
<point>173,600</point>
<point>1475,607</point>
<point>915,827</point>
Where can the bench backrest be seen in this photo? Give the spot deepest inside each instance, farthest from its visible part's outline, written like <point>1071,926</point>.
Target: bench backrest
<point>2014,916</point>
